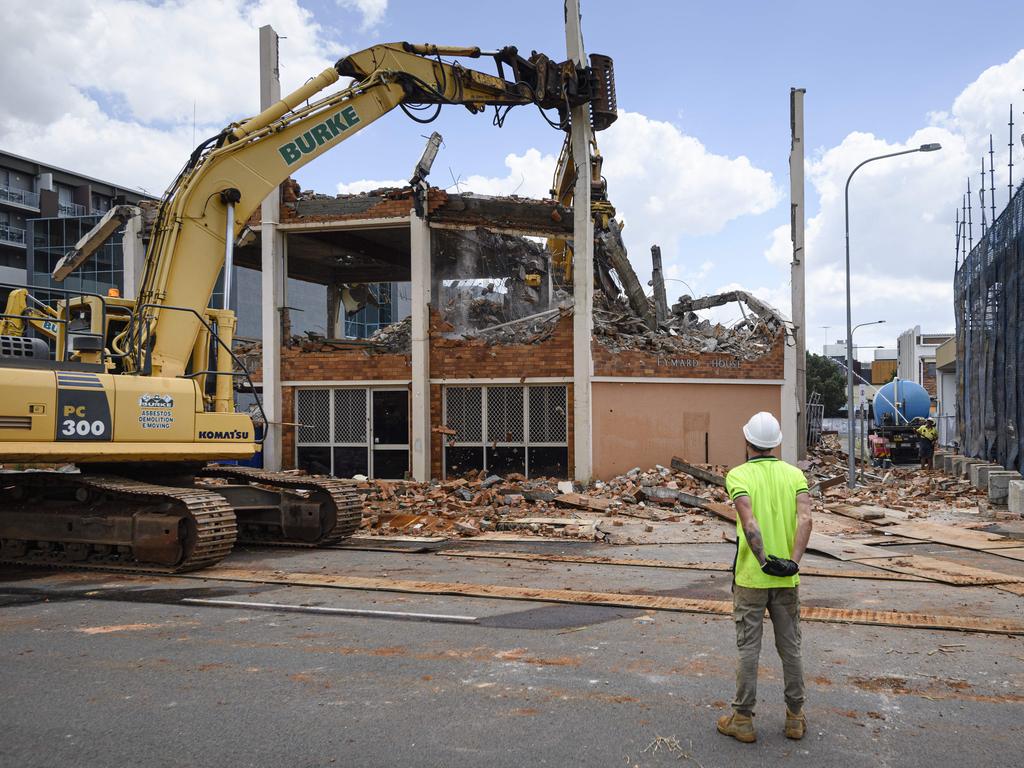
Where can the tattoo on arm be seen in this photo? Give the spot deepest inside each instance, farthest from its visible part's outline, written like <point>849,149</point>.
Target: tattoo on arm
<point>754,540</point>
<point>751,530</point>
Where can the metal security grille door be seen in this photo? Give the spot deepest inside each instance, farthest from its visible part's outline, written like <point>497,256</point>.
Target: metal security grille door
<point>507,429</point>
<point>352,431</point>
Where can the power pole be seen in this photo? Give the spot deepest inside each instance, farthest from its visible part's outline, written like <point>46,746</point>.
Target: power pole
<point>797,214</point>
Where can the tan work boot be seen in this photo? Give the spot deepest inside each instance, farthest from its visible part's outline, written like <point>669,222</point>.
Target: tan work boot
<point>796,725</point>
<point>740,727</point>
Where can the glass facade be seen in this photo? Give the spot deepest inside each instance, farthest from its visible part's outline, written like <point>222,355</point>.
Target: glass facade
<point>363,323</point>
<point>50,239</point>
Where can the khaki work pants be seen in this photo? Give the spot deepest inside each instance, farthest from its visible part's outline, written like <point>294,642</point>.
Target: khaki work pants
<point>748,610</point>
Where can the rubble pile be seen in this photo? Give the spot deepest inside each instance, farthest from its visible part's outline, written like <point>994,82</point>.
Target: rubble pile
<point>617,327</point>
<point>478,504</point>
<point>919,494</point>
<point>395,338</point>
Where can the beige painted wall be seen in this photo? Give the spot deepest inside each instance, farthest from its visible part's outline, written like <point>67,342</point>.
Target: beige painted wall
<point>641,424</point>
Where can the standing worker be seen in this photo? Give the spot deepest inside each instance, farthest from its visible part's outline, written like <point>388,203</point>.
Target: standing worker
<point>773,525</point>
<point>926,437</point>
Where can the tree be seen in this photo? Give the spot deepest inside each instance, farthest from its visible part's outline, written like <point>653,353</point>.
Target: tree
<point>826,378</point>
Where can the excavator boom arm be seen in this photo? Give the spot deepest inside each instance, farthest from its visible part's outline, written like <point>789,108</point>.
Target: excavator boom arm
<point>250,159</point>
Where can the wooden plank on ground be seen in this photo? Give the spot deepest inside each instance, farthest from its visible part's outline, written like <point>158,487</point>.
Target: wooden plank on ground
<point>857,511</point>
<point>360,537</point>
<point>1014,553</point>
<point>1017,589</point>
<point>706,475</point>
<point>945,571</point>
<point>628,532</point>
<point>953,536</point>
<point>842,549</point>
<point>613,599</point>
<point>719,509</point>
<point>830,482</point>
<point>636,562</point>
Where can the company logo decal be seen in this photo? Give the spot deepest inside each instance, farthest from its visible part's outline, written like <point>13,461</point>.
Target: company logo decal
<point>324,133</point>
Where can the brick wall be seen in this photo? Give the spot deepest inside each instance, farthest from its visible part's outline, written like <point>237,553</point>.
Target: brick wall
<point>460,359</point>
<point>688,366</point>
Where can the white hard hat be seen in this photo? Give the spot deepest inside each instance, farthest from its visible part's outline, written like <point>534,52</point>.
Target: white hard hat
<point>763,430</point>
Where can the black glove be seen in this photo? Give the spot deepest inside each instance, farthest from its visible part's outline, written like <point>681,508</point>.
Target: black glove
<point>777,566</point>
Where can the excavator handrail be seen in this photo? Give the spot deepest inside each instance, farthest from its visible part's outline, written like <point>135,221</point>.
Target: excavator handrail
<point>220,342</point>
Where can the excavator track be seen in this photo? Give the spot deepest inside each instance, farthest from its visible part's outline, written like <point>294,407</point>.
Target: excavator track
<point>336,498</point>
<point>204,536</point>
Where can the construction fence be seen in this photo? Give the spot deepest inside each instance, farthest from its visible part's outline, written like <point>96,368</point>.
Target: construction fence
<point>988,297</point>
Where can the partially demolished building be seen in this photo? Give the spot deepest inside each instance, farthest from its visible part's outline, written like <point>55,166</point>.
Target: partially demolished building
<point>497,380</point>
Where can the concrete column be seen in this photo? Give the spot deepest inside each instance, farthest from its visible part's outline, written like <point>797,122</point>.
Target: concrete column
<point>797,215</point>
<point>419,248</point>
<point>791,429</point>
<point>333,310</point>
<point>273,269</point>
<point>582,266</point>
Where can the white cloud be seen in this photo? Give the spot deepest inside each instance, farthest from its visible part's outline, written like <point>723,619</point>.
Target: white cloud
<point>109,87</point>
<point>663,183</point>
<point>529,175</point>
<point>372,10</point>
<point>902,214</point>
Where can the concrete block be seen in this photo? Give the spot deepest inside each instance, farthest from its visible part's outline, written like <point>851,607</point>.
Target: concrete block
<point>965,467</point>
<point>983,471</point>
<point>999,486</point>
<point>1015,496</point>
<point>979,474</point>
<point>947,462</point>
<point>957,464</point>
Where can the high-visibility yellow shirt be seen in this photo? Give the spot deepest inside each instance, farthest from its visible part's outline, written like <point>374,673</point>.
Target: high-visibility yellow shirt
<point>928,433</point>
<point>772,486</point>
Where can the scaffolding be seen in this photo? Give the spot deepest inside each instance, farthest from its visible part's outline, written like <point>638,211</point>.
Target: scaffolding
<point>988,296</point>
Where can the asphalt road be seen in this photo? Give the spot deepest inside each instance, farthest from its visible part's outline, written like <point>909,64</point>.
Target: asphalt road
<point>103,671</point>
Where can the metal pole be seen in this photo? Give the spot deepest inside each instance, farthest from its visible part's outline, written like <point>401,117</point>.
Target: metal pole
<point>991,180</point>
<point>229,255</point>
<point>851,456</point>
<point>851,480</point>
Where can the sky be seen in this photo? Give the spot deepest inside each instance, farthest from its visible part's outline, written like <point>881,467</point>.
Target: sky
<point>696,163</point>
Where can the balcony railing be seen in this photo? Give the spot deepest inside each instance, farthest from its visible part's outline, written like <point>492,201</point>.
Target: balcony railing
<point>20,197</point>
<point>70,209</point>
<point>12,235</point>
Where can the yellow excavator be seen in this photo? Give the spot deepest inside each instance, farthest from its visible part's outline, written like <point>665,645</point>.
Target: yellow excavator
<point>123,392</point>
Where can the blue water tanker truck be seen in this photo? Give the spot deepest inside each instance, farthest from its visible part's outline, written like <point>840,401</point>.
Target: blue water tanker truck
<point>896,406</point>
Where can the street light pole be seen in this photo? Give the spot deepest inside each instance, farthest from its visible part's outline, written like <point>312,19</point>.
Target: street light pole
<point>851,457</point>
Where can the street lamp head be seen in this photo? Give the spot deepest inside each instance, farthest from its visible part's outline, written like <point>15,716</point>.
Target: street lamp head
<point>929,147</point>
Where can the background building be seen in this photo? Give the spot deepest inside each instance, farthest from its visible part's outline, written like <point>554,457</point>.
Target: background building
<point>884,365</point>
<point>43,211</point>
<point>916,357</point>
